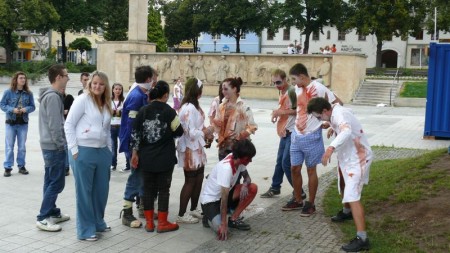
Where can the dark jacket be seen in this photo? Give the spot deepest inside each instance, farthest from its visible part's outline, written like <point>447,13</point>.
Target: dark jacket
<point>153,134</point>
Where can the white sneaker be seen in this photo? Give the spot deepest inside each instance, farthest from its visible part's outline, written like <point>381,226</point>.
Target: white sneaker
<point>60,218</point>
<point>197,213</point>
<point>187,218</point>
<point>46,225</point>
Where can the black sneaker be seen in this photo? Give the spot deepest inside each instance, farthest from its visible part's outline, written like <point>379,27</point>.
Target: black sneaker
<point>113,168</point>
<point>270,193</point>
<point>23,171</point>
<point>7,173</point>
<point>341,216</point>
<point>303,194</point>
<point>238,223</point>
<point>308,209</point>
<point>67,171</point>
<point>205,222</point>
<point>357,244</point>
<point>292,205</point>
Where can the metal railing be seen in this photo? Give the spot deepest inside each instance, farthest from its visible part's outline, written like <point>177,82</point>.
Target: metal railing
<point>396,77</point>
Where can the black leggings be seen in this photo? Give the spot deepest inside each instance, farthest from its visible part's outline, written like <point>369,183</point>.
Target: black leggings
<point>191,189</point>
<point>157,184</point>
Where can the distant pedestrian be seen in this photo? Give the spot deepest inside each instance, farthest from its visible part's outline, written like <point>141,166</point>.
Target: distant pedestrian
<point>177,95</point>
<point>153,145</point>
<point>333,48</point>
<point>53,145</point>
<point>291,49</point>
<point>84,79</point>
<point>17,102</point>
<point>354,158</point>
<point>89,142</point>
<point>68,101</point>
<point>117,106</point>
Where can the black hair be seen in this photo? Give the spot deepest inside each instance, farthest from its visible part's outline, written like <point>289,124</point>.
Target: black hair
<point>235,82</point>
<point>161,88</point>
<point>298,69</point>
<point>243,148</point>
<point>317,105</point>
<point>142,73</point>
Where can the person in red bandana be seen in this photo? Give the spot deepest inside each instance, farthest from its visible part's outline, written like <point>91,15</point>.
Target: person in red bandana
<point>221,192</point>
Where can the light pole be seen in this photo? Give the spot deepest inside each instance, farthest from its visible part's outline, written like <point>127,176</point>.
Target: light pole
<point>215,42</point>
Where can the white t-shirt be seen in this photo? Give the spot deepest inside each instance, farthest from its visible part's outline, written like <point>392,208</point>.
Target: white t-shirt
<point>115,106</point>
<point>305,123</point>
<point>220,176</point>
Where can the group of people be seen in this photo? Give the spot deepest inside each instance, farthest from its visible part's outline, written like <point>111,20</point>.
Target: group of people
<point>155,138</point>
<point>328,50</point>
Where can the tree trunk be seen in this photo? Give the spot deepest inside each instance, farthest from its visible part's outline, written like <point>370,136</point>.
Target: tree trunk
<point>379,47</point>
<point>9,46</point>
<point>306,45</point>
<point>63,45</point>
<point>238,39</point>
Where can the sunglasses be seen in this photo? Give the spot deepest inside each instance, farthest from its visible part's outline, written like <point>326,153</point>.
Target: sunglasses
<point>278,83</point>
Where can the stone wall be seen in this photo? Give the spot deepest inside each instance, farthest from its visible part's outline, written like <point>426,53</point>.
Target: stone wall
<point>340,72</point>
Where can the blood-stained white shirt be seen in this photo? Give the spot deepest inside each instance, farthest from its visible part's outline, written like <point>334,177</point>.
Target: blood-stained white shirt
<point>351,144</point>
<point>305,123</point>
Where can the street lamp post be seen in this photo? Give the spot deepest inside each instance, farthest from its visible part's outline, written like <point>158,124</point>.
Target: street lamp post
<point>215,42</point>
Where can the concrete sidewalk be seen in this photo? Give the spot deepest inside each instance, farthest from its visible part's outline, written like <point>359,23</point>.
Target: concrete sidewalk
<point>272,229</point>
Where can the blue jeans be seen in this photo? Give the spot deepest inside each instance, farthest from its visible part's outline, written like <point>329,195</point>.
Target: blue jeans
<point>283,165</point>
<point>114,140</point>
<point>91,171</point>
<point>54,182</point>
<point>11,133</point>
<point>134,187</point>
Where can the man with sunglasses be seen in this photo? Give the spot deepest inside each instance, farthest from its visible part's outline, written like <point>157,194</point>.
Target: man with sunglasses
<point>284,116</point>
<point>354,157</point>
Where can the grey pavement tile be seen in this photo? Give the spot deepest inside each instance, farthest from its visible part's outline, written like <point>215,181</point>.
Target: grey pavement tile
<point>175,246</point>
<point>11,246</point>
<point>27,249</point>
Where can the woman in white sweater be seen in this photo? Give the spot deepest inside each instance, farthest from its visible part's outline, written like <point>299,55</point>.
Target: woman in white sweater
<point>88,139</point>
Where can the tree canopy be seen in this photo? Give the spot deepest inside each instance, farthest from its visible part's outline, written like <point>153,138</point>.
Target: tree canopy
<point>82,44</point>
<point>155,32</point>
<point>386,18</point>
<point>23,15</point>
<point>115,23</point>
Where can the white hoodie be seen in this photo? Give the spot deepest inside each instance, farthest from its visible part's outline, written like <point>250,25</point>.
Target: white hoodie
<point>86,125</point>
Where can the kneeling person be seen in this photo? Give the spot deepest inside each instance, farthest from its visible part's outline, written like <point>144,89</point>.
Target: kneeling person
<point>221,191</point>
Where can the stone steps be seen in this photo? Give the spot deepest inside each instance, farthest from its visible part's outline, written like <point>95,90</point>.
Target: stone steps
<point>374,93</point>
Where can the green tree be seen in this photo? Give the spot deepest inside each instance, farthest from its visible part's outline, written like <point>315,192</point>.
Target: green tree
<point>443,19</point>
<point>115,24</point>
<point>238,17</point>
<point>184,21</point>
<point>309,16</point>
<point>386,18</point>
<point>155,31</point>
<point>23,15</point>
<point>81,44</point>
<point>77,15</point>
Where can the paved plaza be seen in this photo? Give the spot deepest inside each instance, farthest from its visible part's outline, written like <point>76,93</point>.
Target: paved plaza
<point>272,230</point>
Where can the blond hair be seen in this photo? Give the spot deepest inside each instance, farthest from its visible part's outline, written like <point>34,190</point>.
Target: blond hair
<point>105,98</point>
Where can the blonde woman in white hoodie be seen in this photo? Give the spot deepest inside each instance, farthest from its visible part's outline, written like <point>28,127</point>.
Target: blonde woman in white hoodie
<point>88,136</point>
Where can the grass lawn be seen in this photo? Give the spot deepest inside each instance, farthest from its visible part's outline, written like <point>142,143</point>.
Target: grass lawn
<point>406,204</point>
<point>414,90</point>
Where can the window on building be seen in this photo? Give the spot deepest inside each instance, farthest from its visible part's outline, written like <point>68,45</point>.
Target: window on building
<point>100,31</point>
<point>328,35</point>
<point>88,30</point>
<point>419,35</point>
<point>216,37</point>
<point>419,57</point>
<point>270,34</point>
<point>243,36</point>
<point>286,34</point>
<point>315,36</point>
<point>361,37</point>
<point>341,35</point>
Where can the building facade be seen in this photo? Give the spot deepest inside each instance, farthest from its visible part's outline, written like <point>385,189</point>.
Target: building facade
<point>396,53</point>
<point>249,44</point>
